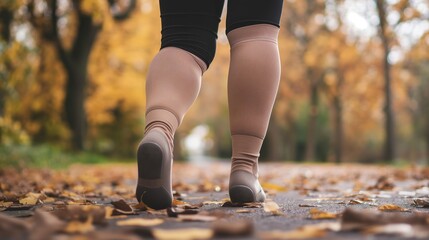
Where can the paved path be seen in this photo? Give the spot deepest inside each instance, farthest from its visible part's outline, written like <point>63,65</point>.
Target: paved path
<point>293,187</point>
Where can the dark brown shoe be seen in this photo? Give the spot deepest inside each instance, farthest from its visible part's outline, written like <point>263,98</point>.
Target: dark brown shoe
<point>154,159</point>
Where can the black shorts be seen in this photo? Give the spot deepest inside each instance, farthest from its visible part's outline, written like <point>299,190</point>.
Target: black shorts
<point>192,25</point>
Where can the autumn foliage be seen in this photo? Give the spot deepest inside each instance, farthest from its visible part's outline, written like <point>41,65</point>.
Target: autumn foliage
<point>330,105</point>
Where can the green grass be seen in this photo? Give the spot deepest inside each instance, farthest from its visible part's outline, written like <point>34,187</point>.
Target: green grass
<point>47,156</point>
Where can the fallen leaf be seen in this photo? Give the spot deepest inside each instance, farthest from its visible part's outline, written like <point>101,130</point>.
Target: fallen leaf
<point>316,214</point>
<point>309,205</point>
<point>177,202</point>
<point>362,219</point>
<point>243,211</point>
<point>196,218</point>
<point>30,200</point>
<point>183,234</point>
<point>45,225</point>
<point>175,211</point>
<point>48,200</point>
<point>140,206</point>
<point>237,228</point>
<point>79,227</point>
<point>421,202</point>
<point>140,222</point>
<point>392,208</point>
<point>13,227</point>
<point>212,202</point>
<point>273,187</point>
<point>5,205</point>
<point>273,208</point>
<point>122,206</point>
<point>82,213</point>
<point>304,232</point>
<point>400,229</point>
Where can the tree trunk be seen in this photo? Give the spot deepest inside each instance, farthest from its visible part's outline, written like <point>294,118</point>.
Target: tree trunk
<point>389,145</point>
<point>6,17</point>
<point>312,124</point>
<point>338,142</point>
<point>74,104</point>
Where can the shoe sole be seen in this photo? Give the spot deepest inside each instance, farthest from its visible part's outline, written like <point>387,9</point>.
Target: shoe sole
<point>149,161</point>
<point>241,194</point>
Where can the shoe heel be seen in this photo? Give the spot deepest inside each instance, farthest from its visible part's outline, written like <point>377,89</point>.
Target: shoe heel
<point>149,161</point>
<point>155,198</point>
<point>241,194</point>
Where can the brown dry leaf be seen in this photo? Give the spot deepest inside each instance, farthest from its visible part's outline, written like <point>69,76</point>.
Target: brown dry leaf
<point>304,232</point>
<point>392,208</point>
<point>122,208</point>
<point>364,219</point>
<point>140,222</point>
<point>140,206</point>
<point>82,213</point>
<point>319,214</point>
<point>237,228</point>
<point>13,228</point>
<point>79,227</point>
<point>196,218</point>
<point>400,229</point>
<point>122,205</point>
<point>272,207</point>
<point>45,225</point>
<point>421,202</point>
<point>183,234</point>
<point>175,211</point>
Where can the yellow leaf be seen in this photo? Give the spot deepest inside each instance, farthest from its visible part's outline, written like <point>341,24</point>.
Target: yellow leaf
<point>304,232</point>
<point>79,227</point>
<point>392,208</point>
<point>5,204</point>
<point>31,200</point>
<point>140,222</point>
<point>273,187</point>
<point>184,233</point>
<point>318,214</point>
<point>273,208</point>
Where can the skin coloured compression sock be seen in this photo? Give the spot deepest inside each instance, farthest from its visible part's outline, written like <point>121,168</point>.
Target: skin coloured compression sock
<point>253,82</point>
<point>172,85</point>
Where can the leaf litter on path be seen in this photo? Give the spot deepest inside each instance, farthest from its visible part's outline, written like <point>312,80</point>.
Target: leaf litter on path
<point>83,201</point>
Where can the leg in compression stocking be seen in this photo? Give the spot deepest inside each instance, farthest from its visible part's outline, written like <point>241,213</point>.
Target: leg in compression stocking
<point>252,87</point>
<point>173,83</point>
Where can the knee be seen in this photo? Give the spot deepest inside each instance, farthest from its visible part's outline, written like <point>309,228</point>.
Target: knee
<point>256,32</point>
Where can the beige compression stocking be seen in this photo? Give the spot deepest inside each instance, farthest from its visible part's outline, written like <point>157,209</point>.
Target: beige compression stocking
<point>252,87</point>
<point>172,85</point>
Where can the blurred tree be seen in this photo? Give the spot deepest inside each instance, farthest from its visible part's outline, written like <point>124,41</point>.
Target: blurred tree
<point>7,9</point>
<point>88,16</point>
<point>417,61</point>
<point>389,148</point>
<point>300,20</point>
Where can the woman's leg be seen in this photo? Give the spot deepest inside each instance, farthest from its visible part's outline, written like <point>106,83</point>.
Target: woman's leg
<point>189,32</point>
<point>253,81</point>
